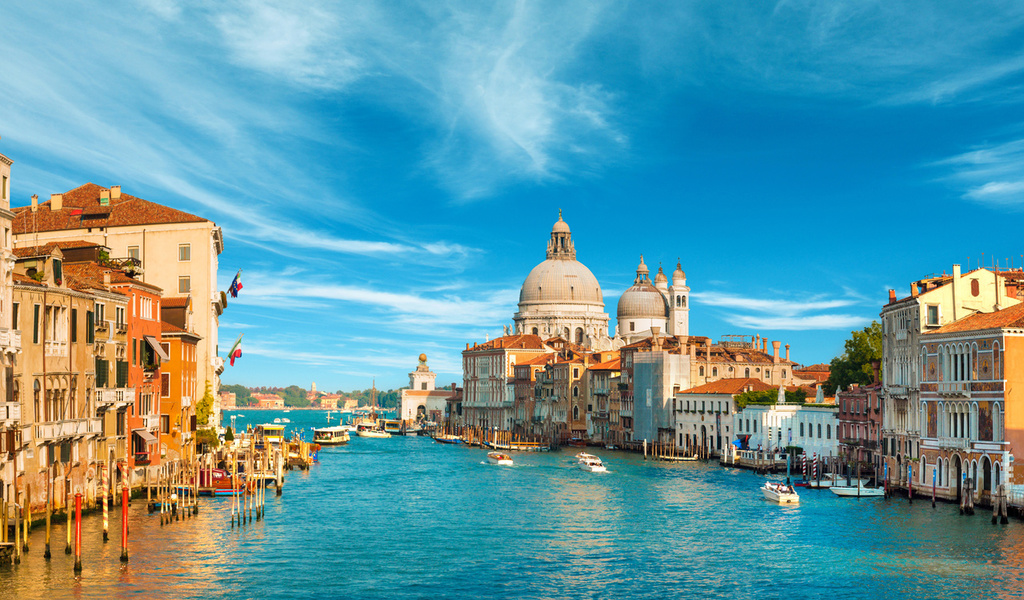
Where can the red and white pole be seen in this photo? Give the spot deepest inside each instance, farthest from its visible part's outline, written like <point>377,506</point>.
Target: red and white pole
<point>124,524</point>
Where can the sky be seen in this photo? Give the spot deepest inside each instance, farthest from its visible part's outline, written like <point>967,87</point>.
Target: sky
<point>386,174</point>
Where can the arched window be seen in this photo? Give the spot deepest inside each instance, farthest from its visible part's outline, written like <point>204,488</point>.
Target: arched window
<point>828,432</point>
<point>701,371</point>
<point>679,301</point>
<point>997,422</point>
<point>997,371</point>
<point>714,371</point>
<point>575,413</point>
<point>579,335</point>
<point>575,391</point>
<point>819,431</point>
<point>535,332</point>
<point>684,301</point>
<point>746,372</point>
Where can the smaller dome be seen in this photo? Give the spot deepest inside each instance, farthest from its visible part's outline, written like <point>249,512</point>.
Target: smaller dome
<point>678,273</point>
<point>560,225</point>
<point>642,301</point>
<point>660,277</point>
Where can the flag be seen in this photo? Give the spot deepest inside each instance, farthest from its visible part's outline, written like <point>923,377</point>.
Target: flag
<point>236,284</point>
<point>236,350</point>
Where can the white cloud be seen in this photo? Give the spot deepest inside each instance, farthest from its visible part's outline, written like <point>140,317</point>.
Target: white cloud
<point>787,308</point>
<point>798,323</point>
<point>992,174</point>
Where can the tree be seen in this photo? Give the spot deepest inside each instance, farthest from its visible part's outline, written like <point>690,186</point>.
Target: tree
<point>205,405</point>
<point>229,434</point>
<point>243,397</point>
<point>797,396</point>
<point>854,365</point>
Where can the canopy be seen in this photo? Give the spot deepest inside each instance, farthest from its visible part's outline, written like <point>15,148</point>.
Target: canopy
<point>146,435</point>
<point>155,345</point>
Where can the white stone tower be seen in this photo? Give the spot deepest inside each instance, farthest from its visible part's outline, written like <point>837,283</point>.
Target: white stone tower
<point>679,304</point>
<point>422,378</point>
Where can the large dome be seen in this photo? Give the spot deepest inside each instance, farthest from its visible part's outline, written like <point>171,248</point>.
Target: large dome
<point>557,280</point>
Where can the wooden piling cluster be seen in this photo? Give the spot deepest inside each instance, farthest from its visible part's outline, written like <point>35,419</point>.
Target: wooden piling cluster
<point>492,438</point>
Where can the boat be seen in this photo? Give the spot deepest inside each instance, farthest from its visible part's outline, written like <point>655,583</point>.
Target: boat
<point>330,436</point>
<point>366,431</point>
<point>611,447</point>
<point>269,435</point>
<point>285,420</point>
<point>577,442</point>
<point>277,420</point>
<point>857,492</point>
<point>447,438</point>
<point>591,463</point>
<point>392,426</point>
<point>217,482</point>
<point>499,458</point>
<point>780,492</point>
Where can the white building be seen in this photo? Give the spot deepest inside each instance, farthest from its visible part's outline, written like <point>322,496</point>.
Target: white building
<point>422,402</point>
<point>770,427</point>
<point>705,415</point>
<point>645,308</point>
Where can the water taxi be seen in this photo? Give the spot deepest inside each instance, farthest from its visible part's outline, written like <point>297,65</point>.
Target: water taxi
<point>367,431</point>
<point>447,438</point>
<point>392,426</point>
<point>499,458</point>
<point>269,434</point>
<point>330,436</point>
<point>590,463</point>
<point>780,492</point>
<point>857,492</point>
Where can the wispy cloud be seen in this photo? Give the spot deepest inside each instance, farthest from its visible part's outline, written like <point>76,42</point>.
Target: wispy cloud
<point>785,314</point>
<point>787,308</point>
<point>991,174</point>
<point>798,323</point>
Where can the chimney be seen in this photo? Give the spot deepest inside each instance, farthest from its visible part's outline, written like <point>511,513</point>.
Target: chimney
<point>764,345</point>
<point>56,201</point>
<point>467,345</point>
<point>913,290</point>
<point>787,351</point>
<point>35,202</point>
<point>757,341</point>
<point>892,296</point>
<point>104,198</point>
<point>115,192</point>
<point>775,350</point>
<point>874,369</point>
<point>106,278</point>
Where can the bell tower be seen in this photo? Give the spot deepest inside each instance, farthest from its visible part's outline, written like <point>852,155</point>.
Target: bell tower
<point>422,378</point>
<point>679,304</point>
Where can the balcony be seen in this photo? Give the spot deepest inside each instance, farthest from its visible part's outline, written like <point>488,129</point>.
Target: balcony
<point>10,340</point>
<point>71,428</point>
<point>953,443</point>
<point>114,398</point>
<point>954,389</point>
<point>186,401</point>
<point>56,348</point>
<point>151,422</point>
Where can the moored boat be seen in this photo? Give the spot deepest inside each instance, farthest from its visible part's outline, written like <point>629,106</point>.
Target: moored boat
<point>499,458</point>
<point>331,436</point>
<point>217,482</point>
<point>446,438</point>
<point>363,430</point>
<point>780,492</point>
<point>857,492</point>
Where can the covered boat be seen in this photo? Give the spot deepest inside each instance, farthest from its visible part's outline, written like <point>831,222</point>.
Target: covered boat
<point>331,436</point>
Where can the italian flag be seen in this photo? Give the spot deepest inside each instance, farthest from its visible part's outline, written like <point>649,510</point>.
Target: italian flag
<point>236,350</point>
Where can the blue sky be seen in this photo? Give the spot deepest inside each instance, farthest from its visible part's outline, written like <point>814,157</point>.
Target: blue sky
<point>387,173</point>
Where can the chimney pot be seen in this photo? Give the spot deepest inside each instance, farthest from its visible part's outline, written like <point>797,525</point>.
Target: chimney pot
<point>115,191</point>
<point>35,202</point>
<point>913,290</point>
<point>56,201</point>
<point>775,350</point>
<point>892,296</point>
<point>787,351</point>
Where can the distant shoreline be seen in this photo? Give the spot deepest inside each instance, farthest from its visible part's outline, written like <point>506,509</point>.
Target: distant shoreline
<point>302,408</point>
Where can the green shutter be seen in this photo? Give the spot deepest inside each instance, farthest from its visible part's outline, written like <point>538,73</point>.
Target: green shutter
<point>35,324</point>
<point>90,329</point>
<point>74,325</point>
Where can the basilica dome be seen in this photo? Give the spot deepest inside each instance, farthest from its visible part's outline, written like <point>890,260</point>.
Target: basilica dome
<point>561,279</point>
<point>642,300</point>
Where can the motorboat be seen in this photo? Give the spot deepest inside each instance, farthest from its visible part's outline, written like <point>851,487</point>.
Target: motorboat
<point>591,463</point>
<point>277,420</point>
<point>447,438</point>
<point>857,492</point>
<point>583,455</point>
<point>780,492</point>
<point>367,431</point>
<point>499,458</point>
<point>330,436</point>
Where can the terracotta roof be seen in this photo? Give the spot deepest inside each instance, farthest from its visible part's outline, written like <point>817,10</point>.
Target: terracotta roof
<point>1012,316</point>
<point>25,279</point>
<point>537,360</point>
<point>731,386</point>
<point>818,368</point>
<point>515,342</point>
<point>176,302</point>
<point>30,251</point>
<point>614,364</point>
<point>81,209</point>
<point>166,327</point>
<point>90,276</point>
<point>70,244</point>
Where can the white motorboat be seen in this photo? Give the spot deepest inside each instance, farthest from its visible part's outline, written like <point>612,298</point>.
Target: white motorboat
<point>330,436</point>
<point>583,455</point>
<point>780,492</point>
<point>499,458</point>
<point>367,431</point>
<point>591,463</point>
<point>857,491</point>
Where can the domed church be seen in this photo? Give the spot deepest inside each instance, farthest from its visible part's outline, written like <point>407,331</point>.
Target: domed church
<point>561,297</point>
<point>644,307</point>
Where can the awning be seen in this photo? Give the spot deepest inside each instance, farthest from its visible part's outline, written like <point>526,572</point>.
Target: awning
<point>145,435</point>
<point>155,345</point>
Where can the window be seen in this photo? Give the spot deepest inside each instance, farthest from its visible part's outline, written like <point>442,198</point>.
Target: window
<point>99,312</point>
<point>801,430</point>
<point>819,431</point>
<point>828,432</point>
<point>133,252</point>
<point>135,351</point>
<point>165,385</point>
<point>933,315</point>
<point>74,325</point>
<point>423,385</point>
<point>701,371</point>
<point>184,285</point>
<point>3,188</point>
<point>14,313</point>
<point>121,367</point>
<point>184,252</point>
<point>632,326</point>
<point>35,323</point>
<point>165,424</point>
<point>714,371</point>
<point>90,327</point>
<point>119,316</point>
<point>746,372</point>
<point>146,308</point>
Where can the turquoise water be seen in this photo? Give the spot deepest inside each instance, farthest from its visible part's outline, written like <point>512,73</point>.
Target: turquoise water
<point>405,517</point>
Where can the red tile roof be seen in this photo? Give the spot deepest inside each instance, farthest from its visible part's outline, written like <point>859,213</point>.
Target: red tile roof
<point>25,280</point>
<point>513,342</point>
<point>31,251</point>
<point>1012,316</point>
<point>614,364</point>
<point>82,209</point>
<point>537,360</point>
<point>730,386</point>
<point>176,302</point>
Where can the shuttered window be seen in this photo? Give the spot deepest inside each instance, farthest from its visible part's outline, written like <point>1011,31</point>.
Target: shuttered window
<point>102,373</point>
<point>122,373</point>
<point>90,328</point>
<point>35,324</point>
<point>74,325</point>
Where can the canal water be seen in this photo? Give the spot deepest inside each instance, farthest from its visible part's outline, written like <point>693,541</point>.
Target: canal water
<point>408,518</point>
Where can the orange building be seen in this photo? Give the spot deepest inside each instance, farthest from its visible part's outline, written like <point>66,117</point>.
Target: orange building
<point>144,356</point>
<point>178,394</point>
